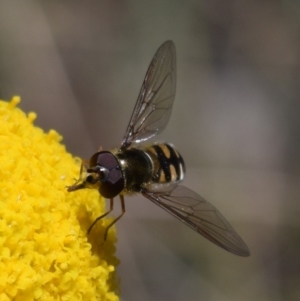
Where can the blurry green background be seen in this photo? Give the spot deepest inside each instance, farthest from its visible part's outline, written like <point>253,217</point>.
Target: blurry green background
<point>80,65</point>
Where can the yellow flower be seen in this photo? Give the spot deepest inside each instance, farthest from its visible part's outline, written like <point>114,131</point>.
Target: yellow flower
<point>45,253</point>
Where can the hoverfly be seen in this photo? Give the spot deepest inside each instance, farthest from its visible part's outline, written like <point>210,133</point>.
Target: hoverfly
<point>155,170</point>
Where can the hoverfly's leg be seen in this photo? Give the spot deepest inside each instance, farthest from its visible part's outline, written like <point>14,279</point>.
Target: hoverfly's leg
<point>83,165</point>
<point>111,207</point>
<point>115,220</point>
<point>79,183</point>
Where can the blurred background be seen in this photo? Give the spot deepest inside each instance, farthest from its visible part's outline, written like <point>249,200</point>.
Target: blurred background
<point>80,66</point>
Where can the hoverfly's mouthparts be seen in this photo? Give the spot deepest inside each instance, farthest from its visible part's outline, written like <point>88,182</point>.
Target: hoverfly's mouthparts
<point>76,187</point>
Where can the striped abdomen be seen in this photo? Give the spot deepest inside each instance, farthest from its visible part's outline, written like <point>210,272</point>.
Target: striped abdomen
<point>167,163</point>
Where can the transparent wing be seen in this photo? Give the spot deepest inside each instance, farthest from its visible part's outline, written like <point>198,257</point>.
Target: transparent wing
<point>197,213</point>
<point>154,104</point>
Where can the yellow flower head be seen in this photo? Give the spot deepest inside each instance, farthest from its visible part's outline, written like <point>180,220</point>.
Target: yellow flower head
<point>45,253</point>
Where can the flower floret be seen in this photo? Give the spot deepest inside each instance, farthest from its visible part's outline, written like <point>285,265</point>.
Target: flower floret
<point>45,253</point>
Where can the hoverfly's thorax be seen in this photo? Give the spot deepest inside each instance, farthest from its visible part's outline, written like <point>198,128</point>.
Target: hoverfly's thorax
<point>168,165</point>
<point>136,167</point>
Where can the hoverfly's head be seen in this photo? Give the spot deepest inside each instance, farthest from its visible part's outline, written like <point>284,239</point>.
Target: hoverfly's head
<point>103,173</point>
